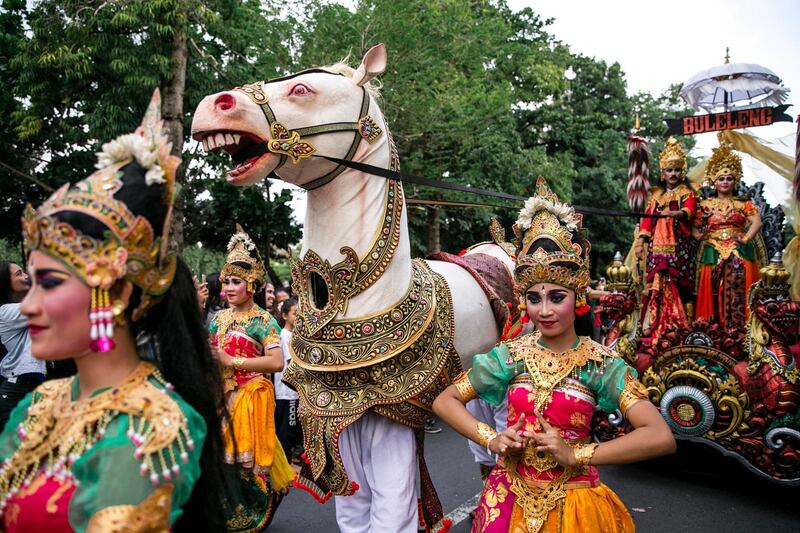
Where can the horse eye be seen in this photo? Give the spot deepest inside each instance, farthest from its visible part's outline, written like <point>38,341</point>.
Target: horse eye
<point>299,90</point>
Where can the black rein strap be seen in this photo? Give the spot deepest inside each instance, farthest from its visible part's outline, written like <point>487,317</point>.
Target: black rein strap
<point>427,182</point>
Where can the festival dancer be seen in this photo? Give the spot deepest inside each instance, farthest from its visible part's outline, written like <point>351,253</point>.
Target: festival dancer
<point>726,225</point>
<point>246,340</point>
<point>121,445</point>
<point>546,478</point>
<point>671,251</point>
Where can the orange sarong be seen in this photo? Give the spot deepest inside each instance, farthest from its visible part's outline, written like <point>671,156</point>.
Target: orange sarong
<point>252,411</point>
<point>583,510</point>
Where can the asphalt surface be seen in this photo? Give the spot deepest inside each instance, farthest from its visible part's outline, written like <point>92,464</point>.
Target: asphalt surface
<point>694,491</point>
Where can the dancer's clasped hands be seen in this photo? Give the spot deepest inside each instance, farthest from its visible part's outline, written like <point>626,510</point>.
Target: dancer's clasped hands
<point>548,439</point>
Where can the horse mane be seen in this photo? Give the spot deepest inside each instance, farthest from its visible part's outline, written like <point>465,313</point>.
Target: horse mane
<point>373,86</point>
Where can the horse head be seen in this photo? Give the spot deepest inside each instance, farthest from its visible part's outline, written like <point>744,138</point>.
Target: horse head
<point>280,126</point>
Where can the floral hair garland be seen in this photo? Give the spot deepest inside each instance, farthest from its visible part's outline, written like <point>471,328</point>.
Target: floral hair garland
<point>564,212</point>
<point>132,145</point>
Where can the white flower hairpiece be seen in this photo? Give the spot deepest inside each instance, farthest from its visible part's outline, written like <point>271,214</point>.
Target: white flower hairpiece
<point>134,146</point>
<point>564,212</point>
<point>243,238</point>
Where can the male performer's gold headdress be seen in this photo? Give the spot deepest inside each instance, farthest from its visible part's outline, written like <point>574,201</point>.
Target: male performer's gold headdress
<point>723,162</point>
<point>136,168</point>
<point>672,156</point>
<point>244,261</point>
<point>550,247</point>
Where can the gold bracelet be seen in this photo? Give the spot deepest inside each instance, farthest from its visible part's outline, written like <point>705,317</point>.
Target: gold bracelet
<point>465,390</point>
<point>584,454</point>
<point>238,362</point>
<point>485,434</point>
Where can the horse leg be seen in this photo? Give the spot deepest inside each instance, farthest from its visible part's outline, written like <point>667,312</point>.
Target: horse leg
<point>380,456</point>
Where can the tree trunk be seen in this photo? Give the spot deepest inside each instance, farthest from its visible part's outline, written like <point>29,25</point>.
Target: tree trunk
<point>434,243</point>
<point>172,112</point>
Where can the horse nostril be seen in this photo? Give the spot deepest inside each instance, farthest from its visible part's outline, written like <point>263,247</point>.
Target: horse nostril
<point>225,102</point>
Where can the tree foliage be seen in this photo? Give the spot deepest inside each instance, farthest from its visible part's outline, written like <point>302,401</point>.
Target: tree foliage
<point>90,81</point>
<point>474,93</point>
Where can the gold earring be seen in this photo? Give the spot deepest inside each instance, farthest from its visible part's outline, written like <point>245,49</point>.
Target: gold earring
<point>117,309</point>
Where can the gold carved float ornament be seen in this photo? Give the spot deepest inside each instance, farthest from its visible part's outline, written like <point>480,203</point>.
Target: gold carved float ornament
<point>698,393</point>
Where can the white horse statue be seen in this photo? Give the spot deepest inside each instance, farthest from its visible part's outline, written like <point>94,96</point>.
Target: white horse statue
<point>379,335</point>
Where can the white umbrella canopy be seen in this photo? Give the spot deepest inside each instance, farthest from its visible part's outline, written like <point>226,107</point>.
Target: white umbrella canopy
<point>731,83</point>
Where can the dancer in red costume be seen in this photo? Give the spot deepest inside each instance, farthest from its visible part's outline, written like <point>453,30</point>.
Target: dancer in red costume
<point>668,245</point>
<point>546,478</point>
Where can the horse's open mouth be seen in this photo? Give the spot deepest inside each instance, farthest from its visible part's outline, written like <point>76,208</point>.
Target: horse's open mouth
<point>245,149</point>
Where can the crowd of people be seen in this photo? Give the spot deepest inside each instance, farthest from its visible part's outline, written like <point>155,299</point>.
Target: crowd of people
<point>176,416</point>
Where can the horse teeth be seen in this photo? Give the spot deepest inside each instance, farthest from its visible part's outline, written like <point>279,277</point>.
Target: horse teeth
<point>236,138</point>
<point>205,144</point>
<point>229,138</point>
<point>220,139</point>
<point>211,143</point>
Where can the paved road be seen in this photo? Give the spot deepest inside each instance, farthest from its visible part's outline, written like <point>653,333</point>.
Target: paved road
<point>694,491</point>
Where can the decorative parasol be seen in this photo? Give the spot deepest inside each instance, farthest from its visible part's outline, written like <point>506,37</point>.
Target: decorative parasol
<point>727,84</point>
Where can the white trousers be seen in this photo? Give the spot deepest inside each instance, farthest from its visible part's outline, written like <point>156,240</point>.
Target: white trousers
<point>381,456</point>
<point>496,417</point>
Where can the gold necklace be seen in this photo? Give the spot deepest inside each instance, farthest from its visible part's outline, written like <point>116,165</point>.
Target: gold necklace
<point>549,368</point>
<point>227,318</point>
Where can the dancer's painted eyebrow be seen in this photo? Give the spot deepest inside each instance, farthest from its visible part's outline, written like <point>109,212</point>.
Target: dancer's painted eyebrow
<point>59,274</point>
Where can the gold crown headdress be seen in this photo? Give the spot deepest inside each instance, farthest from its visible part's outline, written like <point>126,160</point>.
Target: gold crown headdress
<point>723,162</point>
<point>130,248</point>
<point>672,156</point>
<point>566,263</point>
<point>240,250</point>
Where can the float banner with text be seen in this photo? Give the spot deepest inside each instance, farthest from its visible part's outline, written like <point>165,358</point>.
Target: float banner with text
<point>730,120</point>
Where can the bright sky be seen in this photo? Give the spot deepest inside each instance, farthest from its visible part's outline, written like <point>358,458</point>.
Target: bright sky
<point>660,43</point>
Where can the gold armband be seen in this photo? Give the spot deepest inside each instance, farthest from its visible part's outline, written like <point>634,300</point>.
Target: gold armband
<point>485,434</point>
<point>464,387</point>
<point>632,391</point>
<point>238,362</point>
<point>584,454</point>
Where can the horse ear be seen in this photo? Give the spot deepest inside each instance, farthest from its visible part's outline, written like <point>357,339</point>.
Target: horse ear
<point>373,64</point>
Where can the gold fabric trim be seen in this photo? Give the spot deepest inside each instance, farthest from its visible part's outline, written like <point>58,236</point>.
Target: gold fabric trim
<point>346,391</point>
<point>352,275</point>
<point>548,369</point>
<point>150,516</point>
<point>368,340</point>
<point>464,387</point>
<point>401,388</point>
<point>633,391</point>
<point>662,198</point>
<point>58,429</point>
<point>227,318</point>
<point>541,484</point>
<point>537,500</point>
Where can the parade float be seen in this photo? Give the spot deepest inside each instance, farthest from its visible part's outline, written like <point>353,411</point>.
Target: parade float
<point>732,384</point>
